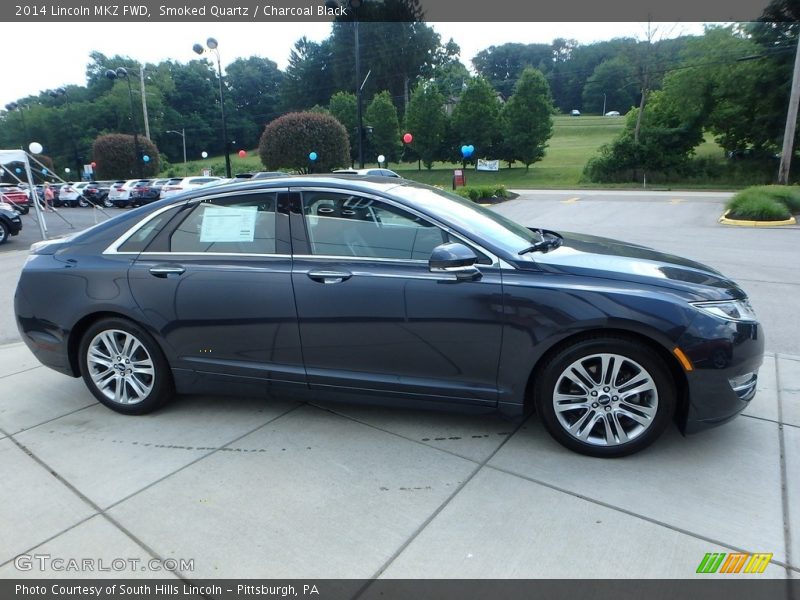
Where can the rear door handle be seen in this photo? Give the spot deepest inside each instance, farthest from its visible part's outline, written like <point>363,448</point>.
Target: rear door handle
<point>165,271</point>
<point>329,276</point>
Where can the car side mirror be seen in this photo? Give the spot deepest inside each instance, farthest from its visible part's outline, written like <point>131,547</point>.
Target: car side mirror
<point>456,259</point>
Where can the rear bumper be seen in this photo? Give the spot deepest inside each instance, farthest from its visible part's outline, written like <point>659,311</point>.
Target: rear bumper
<point>726,357</point>
<point>47,341</point>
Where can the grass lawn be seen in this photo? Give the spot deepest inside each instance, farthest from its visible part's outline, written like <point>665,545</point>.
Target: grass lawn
<point>575,140</point>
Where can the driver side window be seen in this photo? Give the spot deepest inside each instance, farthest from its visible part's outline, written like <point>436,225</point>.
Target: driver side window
<point>355,226</point>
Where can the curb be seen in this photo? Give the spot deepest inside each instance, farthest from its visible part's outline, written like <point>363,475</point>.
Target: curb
<point>724,220</point>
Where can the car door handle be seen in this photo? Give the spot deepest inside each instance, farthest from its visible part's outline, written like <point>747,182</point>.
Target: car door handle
<point>329,276</point>
<point>165,271</point>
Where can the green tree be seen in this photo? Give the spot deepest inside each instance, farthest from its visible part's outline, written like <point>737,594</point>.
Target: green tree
<point>476,119</point>
<point>426,121</point>
<point>502,65</point>
<point>381,115</point>
<point>288,140</point>
<point>254,85</point>
<point>397,48</point>
<point>527,118</point>
<point>308,77</point>
<point>343,108</point>
<point>611,86</point>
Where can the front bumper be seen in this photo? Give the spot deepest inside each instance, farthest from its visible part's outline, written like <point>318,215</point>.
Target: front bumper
<point>726,356</point>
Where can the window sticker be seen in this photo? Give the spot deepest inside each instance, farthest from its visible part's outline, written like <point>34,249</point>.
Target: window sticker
<point>228,224</point>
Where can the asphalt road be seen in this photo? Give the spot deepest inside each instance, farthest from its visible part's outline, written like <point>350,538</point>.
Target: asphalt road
<point>762,260</point>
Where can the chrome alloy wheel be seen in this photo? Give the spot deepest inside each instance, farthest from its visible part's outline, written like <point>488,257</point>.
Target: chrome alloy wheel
<point>605,399</point>
<point>120,366</point>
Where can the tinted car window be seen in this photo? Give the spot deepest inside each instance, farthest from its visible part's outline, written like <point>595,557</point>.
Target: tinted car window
<point>237,225</point>
<point>344,225</point>
<point>145,234</point>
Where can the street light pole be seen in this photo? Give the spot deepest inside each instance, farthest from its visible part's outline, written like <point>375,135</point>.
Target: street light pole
<point>122,72</point>
<point>181,133</point>
<point>212,44</point>
<point>359,113</point>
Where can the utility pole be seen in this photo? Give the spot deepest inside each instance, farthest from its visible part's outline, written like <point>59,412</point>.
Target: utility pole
<point>144,103</point>
<point>791,122</point>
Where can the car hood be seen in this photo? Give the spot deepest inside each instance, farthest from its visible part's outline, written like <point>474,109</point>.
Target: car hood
<point>594,256</point>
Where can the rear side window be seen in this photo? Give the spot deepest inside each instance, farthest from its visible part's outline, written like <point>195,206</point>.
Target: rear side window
<point>243,224</point>
<point>147,232</point>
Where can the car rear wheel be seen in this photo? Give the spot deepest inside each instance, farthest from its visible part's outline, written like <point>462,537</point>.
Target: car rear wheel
<point>3,232</point>
<point>23,210</point>
<point>124,368</point>
<point>605,397</point>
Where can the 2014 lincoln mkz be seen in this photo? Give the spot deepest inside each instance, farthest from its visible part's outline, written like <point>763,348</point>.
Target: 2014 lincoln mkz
<point>340,287</point>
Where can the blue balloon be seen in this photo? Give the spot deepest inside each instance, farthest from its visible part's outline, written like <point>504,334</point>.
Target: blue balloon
<point>471,149</point>
<point>146,158</point>
<point>44,170</point>
<point>464,151</point>
<point>18,170</point>
<point>312,156</point>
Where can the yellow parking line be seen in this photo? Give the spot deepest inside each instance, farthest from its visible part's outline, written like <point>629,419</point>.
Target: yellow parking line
<point>571,200</point>
<point>677,201</point>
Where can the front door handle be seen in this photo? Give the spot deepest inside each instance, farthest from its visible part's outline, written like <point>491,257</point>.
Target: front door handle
<point>165,271</point>
<point>329,276</point>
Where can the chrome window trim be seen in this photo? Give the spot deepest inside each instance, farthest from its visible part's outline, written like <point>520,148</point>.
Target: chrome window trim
<point>114,247</point>
<point>496,260</point>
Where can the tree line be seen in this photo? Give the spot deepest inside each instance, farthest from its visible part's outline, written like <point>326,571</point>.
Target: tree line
<point>416,81</point>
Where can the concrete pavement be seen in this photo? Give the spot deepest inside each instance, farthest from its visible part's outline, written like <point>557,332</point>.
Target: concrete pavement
<point>272,488</point>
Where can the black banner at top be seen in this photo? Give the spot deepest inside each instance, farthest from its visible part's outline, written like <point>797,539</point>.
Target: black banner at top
<point>430,10</point>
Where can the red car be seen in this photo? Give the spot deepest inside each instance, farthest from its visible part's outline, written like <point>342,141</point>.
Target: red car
<point>15,197</point>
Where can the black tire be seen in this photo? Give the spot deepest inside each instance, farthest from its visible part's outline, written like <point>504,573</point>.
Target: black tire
<point>159,385</point>
<point>23,210</point>
<point>611,410</point>
<point>3,233</point>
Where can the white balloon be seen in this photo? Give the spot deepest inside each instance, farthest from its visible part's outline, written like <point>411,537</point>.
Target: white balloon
<point>66,170</point>
<point>381,158</point>
<point>35,147</point>
<point>204,154</point>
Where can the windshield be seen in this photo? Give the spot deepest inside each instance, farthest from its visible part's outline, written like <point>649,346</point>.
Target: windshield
<point>472,217</point>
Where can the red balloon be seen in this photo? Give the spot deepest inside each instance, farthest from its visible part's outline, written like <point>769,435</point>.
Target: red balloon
<point>408,138</point>
<point>94,164</point>
<point>242,153</point>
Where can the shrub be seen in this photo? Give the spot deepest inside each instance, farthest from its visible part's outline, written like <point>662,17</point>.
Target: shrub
<point>480,192</point>
<point>786,195</point>
<point>753,204</point>
<point>115,155</point>
<point>288,140</point>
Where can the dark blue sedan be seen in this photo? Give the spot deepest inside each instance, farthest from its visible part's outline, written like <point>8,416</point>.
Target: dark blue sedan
<point>337,287</point>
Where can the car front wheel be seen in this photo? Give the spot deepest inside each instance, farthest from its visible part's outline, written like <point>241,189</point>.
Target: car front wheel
<point>605,397</point>
<point>3,232</point>
<point>124,368</point>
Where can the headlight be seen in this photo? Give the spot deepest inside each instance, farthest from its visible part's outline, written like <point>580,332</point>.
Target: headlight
<point>730,310</point>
